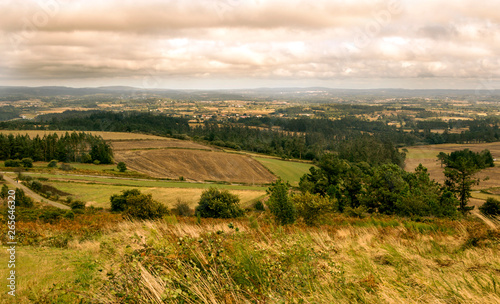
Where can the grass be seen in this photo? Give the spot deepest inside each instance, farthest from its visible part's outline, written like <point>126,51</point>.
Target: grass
<point>250,260</point>
<point>288,170</point>
<point>140,182</point>
<point>98,195</point>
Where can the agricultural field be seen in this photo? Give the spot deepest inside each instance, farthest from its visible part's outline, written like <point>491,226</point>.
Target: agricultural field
<point>104,135</point>
<point>196,165</point>
<point>123,145</point>
<point>288,170</point>
<point>489,185</point>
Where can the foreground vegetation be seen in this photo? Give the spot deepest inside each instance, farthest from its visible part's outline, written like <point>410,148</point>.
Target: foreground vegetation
<point>101,258</point>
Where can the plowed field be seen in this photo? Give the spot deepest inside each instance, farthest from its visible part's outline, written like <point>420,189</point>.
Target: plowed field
<point>196,165</point>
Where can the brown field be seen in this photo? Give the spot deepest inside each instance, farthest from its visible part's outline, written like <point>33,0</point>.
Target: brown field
<point>196,165</point>
<point>427,156</point>
<point>104,135</point>
<point>156,144</point>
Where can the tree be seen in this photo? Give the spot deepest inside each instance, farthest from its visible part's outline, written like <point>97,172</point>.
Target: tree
<point>217,203</point>
<point>280,204</point>
<point>460,168</point>
<point>121,167</point>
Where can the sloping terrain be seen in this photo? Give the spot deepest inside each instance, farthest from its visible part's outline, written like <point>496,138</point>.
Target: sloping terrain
<point>195,165</point>
<point>156,144</point>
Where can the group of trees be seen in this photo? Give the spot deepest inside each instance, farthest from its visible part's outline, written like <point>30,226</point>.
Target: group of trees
<point>70,147</point>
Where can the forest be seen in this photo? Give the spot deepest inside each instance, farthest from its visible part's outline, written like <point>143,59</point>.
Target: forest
<point>70,147</point>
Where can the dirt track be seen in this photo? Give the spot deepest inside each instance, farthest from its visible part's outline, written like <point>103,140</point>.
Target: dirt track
<point>32,194</point>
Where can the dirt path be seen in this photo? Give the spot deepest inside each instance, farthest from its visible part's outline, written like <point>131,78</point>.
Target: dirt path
<point>486,220</point>
<point>32,194</point>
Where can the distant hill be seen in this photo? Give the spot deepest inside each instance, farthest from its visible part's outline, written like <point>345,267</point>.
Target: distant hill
<point>297,94</point>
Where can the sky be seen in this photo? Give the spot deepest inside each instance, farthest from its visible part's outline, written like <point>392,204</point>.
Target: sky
<point>223,44</point>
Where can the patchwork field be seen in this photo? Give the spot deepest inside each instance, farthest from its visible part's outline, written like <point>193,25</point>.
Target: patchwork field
<point>196,165</point>
<point>98,195</point>
<point>427,156</point>
<point>287,170</point>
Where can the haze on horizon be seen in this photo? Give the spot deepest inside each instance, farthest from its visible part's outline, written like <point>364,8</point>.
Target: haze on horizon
<point>219,44</point>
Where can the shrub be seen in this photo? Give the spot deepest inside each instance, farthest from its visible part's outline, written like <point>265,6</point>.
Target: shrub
<point>12,163</point>
<point>77,205</point>
<point>121,167</point>
<point>27,162</point>
<point>35,185</point>
<point>280,204</point>
<point>119,202</point>
<point>22,200</point>
<point>52,163</point>
<point>135,204</point>
<point>144,207</point>
<point>311,206</point>
<point>96,162</point>
<point>259,206</point>
<point>65,167</point>
<point>217,203</point>
<point>491,207</point>
<point>51,215</point>
<point>183,209</point>
<point>4,192</point>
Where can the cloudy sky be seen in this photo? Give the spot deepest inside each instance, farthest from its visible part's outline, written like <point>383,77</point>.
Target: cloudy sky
<point>251,43</point>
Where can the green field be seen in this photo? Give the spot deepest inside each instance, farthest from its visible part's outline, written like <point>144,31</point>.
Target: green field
<point>288,170</point>
<point>98,195</point>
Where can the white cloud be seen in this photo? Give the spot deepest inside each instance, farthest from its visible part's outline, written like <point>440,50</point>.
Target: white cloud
<point>304,41</point>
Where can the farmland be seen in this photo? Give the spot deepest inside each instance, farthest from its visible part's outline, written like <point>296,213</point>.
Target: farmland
<point>427,156</point>
<point>288,170</point>
<point>196,165</point>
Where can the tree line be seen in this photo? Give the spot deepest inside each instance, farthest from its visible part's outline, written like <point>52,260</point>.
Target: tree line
<point>70,147</point>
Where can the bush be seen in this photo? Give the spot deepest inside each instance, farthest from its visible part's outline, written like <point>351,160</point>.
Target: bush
<point>52,163</point>
<point>217,203</point>
<point>311,206</point>
<point>491,207</point>
<point>27,162</point>
<point>183,209</point>
<point>280,204</point>
<point>51,215</point>
<point>4,192</point>
<point>121,167</point>
<point>137,205</point>
<point>12,163</point>
<point>65,167</point>
<point>259,206</point>
<point>22,200</point>
<point>77,205</point>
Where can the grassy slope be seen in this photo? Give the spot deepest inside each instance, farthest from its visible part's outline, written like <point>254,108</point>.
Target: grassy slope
<point>374,260</point>
<point>287,170</point>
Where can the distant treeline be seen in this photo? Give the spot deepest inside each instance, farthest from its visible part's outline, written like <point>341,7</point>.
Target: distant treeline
<point>71,147</point>
<point>305,138</point>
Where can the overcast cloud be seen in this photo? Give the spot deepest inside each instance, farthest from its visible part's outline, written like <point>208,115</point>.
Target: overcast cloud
<point>251,43</point>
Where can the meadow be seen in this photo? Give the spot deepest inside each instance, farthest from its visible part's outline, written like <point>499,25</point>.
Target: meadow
<point>287,170</point>
<point>251,260</point>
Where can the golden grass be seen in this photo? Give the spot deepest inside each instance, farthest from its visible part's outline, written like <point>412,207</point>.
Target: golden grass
<point>250,260</point>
